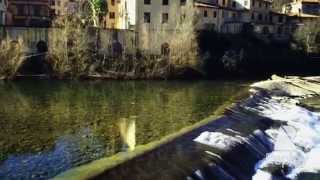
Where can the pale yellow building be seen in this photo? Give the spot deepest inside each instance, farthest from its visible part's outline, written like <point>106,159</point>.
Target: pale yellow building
<point>118,17</point>
<point>158,22</point>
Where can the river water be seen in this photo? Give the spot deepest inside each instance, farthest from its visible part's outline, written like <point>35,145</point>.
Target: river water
<point>48,127</point>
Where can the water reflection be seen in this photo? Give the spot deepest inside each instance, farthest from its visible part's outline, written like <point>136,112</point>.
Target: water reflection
<point>127,128</point>
<point>65,124</point>
<point>69,151</point>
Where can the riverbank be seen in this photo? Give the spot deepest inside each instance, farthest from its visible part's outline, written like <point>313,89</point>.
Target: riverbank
<point>235,55</point>
<point>242,144</point>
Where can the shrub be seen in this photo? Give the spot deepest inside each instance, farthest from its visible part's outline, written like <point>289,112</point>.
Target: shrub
<point>11,57</point>
<point>69,47</point>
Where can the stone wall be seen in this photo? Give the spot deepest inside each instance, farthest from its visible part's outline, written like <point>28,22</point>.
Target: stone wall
<point>108,38</point>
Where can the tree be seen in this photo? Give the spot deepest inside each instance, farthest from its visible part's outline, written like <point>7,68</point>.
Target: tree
<point>308,36</point>
<point>98,9</point>
<point>278,4</point>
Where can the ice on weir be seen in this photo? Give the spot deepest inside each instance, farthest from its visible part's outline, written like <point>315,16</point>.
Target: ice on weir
<point>217,140</point>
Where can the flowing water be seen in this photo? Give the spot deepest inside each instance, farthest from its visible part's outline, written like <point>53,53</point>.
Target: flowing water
<point>48,127</point>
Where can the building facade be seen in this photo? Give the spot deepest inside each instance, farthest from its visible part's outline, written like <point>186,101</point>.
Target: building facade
<point>28,13</point>
<point>157,21</point>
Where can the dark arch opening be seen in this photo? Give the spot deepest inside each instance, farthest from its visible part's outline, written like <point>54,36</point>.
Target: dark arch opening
<point>42,47</point>
<point>165,49</point>
<point>265,30</point>
<point>117,49</point>
<point>36,64</point>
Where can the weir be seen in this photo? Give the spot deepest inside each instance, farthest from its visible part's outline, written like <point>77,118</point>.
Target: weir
<point>267,136</point>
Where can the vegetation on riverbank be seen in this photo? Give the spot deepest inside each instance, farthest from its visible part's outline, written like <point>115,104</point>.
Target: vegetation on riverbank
<point>246,54</point>
<point>11,57</point>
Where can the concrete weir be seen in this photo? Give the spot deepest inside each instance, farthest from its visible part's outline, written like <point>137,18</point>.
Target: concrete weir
<point>269,135</point>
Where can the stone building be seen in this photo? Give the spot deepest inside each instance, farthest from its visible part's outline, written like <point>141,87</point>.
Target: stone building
<point>34,13</point>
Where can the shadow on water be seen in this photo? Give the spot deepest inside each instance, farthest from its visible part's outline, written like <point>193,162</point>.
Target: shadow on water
<point>51,126</point>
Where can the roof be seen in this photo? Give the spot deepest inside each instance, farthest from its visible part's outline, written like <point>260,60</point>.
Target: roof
<point>205,5</point>
<point>208,2</point>
<point>310,1</point>
<point>268,1</point>
<point>303,15</point>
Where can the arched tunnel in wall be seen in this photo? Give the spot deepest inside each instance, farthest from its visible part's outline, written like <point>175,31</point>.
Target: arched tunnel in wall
<point>35,63</point>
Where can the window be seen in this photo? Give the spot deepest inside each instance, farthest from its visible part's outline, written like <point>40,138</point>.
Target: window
<point>252,16</point>
<point>214,14</point>
<point>1,17</point>
<point>36,10</point>
<point>224,14</point>
<point>183,2</point>
<point>165,2</point>
<point>223,2</point>
<point>165,18</point>
<point>182,17</point>
<point>260,17</point>
<point>205,13</point>
<point>253,3</point>
<point>20,10</point>
<point>147,17</point>
<point>147,2</point>
<point>112,15</point>
<point>265,30</point>
<point>112,2</point>
<point>234,4</point>
<point>279,30</point>
<point>260,4</point>
<point>245,3</point>
<point>234,15</point>
<point>270,18</point>
<point>280,19</point>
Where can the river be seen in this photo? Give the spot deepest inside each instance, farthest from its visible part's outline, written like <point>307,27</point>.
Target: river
<point>48,127</point>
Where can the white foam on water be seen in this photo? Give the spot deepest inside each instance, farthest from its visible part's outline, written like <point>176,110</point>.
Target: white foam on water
<point>262,175</point>
<point>297,144</point>
<point>217,140</point>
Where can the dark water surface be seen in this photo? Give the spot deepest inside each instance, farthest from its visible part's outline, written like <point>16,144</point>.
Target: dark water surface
<point>48,127</point>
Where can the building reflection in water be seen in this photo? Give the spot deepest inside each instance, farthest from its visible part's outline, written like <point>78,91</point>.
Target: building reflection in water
<point>127,128</point>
